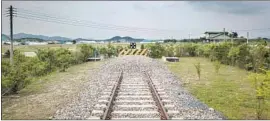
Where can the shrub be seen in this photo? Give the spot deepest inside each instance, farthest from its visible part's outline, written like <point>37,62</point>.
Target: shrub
<point>15,77</point>
<point>48,56</point>
<point>111,50</point>
<point>7,53</point>
<point>156,50</point>
<point>142,46</point>
<point>119,49</point>
<point>86,51</point>
<point>169,50</point>
<point>37,67</point>
<point>63,60</point>
<point>190,48</point>
<point>261,84</point>
<point>259,57</point>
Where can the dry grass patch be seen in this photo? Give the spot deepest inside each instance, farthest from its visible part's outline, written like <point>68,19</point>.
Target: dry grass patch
<point>42,98</point>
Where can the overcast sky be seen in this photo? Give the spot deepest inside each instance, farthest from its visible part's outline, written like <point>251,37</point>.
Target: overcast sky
<point>173,19</point>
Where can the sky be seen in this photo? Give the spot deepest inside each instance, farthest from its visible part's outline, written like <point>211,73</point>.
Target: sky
<point>138,19</point>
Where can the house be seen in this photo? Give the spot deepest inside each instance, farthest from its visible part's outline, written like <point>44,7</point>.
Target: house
<point>216,36</point>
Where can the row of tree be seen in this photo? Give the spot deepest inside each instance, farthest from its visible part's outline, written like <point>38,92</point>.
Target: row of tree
<point>237,54</point>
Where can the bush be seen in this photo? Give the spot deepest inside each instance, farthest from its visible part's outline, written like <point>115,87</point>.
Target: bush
<point>169,51</point>
<point>142,46</point>
<point>63,59</point>
<point>76,58</point>
<point>37,67</point>
<point>15,77</point>
<point>259,57</point>
<point>7,53</point>
<point>261,84</point>
<point>48,56</point>
<point>111,51</point>
<point>156,50</point>
<point>190,48</point>
<point>86,51</point>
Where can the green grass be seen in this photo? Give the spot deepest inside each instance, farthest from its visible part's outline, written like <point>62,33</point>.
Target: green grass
<point>42,98</point>
<point>229,92</point>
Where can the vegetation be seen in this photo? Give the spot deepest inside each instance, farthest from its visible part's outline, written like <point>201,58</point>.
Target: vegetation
<point>261,83</point>
<point>217,65</point>
<point>156,50</point>
<point>229,92</point>
<point>25,69</point>
<point>249,57</point>
<point>198,69</point>
<point>43,96</point>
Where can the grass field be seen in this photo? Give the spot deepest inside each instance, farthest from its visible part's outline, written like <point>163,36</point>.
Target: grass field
<point>41,99</point>
<point>229,92</point>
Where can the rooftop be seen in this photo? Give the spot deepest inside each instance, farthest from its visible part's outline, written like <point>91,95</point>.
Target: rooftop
<point>215,32</point>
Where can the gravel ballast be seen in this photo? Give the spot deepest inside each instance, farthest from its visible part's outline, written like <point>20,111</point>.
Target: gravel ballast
<point>188,106</point>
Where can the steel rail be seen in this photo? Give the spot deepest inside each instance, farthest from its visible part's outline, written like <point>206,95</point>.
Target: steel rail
<point>108,110</point>
<point>161,109</point>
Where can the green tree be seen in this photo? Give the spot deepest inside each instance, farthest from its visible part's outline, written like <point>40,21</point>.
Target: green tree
<point>142,46</point>
<point>63,59</point>
<point>86,51</point>
<point>74,41</point>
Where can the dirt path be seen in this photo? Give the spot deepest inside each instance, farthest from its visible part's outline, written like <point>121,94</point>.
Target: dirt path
<point>41,99</point>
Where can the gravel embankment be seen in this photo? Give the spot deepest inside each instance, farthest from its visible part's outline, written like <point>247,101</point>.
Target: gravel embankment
<point>189,107</point>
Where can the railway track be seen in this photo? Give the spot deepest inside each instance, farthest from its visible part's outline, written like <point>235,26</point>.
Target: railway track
<point>134,95</point>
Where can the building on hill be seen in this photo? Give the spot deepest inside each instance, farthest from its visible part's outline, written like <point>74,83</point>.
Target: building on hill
<point>216,36</point>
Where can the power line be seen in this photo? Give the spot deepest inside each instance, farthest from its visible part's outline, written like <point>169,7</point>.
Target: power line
<point>101,24</point>
<point>34,15</point>
<point>78,24</point>
<point>75,23</point>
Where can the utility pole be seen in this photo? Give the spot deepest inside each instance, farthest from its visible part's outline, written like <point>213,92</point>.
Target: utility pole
<point>11,13</point>
<point>189,37</point>
<point>247,36</point>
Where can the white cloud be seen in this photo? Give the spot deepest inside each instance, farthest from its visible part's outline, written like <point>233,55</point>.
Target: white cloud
<point>143,14</point>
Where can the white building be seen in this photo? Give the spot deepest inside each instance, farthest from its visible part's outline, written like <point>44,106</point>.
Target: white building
<point>36,43</point>
<point>86,42</point>
<point>69,43</point>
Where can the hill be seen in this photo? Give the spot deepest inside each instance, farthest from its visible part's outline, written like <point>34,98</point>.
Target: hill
<point>42,37</point>
<point>124,39</point>
<point>30,37</point>
<point>4,37</point>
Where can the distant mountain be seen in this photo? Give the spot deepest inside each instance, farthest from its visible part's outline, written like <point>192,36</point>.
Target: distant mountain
<point>23,35</point>
<point>4,37</point>
<point>125,39</point>
<point>81,39</point>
